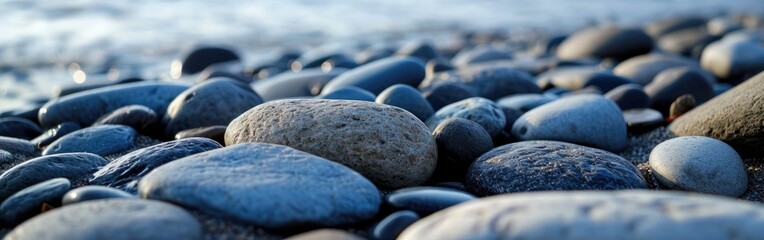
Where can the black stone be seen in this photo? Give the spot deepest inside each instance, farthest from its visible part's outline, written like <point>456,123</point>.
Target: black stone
<point>675,82</point>
<point>55,133</point>
<point>201,57</point>
<point>447,93</point>
<point>31,201</point>
<point>77,167</point>
<point>488,81</point>
<point>605,42</point>
<point>460,141</point>
<point>629,96</point>
<point>138,117</point>
<point>16,127</point>
<point>17,146</point>
<point>379,75</point>
<point>394,224</point>
<point>216,133</point>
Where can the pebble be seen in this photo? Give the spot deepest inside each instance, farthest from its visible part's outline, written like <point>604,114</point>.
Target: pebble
<point>408,98</point>
<point>102,140</point>
<point>550,165</point>
<point>687,42</point>
<point>422,50</point>
<point>305,83</point>
<point>426,200</point>
<point>349,93</point>
<point>90,193</point>
<point>669,25</point>
<point>213,102</point>
<point>291,188</point>
<point>31,201</point>
<point>17,127</point>
<point>479,54</point>
<point>392,225</point>
<point>675,82</point>
<point>480,110</point>
<point>643,69</point>
<point>216,133</point>
<point>86,107</point>
<point>735,117</point>
<point>117,219</point>
<point>605,42</point>
<point>629,96</point>
<point>637,214</point>
<point>681,105</point>
<point>733,59</point>
<point>642,119</point>
<point>77,167</point>
<point>387,144</point>
<point>19,147</point>
<point>491,82</point>
<point>524,102</point>
<point>201,57</point>
<point>575,78</point>
<point>699,164</point>
<point>324,234</point>
<point>55,133</point>
<point>447,93</point>
<point>379,75</point>
<point>124,172</point>
<point>138,117</point>
<point>589,120</point>
<point>460,141</point>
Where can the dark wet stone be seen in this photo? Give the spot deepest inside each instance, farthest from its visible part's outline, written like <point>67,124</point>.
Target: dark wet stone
<point>130,218</point>
<point>550,165</point>
<point>480,110</point>
<point>629,96</point>
<point>136,116</point>
<point>349,93</point>
<point>86,107</point>
<point>90,193</point>
<point>480,54</point>
<point>486,81</point>
<point>17,146</point>
<point>77,167</point>
<point>605,42</point>
<point>426,200</point>
<point>641,120</point>
<point>511,115</point>
<point>216,133</point>
<point>16,127</point>
<point>213,102</point>
<point>124,172</point>
<point>681,105</point>
<point>103,140</point>
<point>447,93</point>
<point>642,69</point>
<point>392,226</point>
<point>55,133</point>
<point>200,58</point>
<point>460,141</point>
<point>379,75</point>
<point>408,98</point>
<point>419,49</point>
<point>31,201</point>
<point>524,102</point>
<point>305,83</point>
<point>735,117</point>
<point>675,82</point>
<point>291,188</point>
<point>318,56</point>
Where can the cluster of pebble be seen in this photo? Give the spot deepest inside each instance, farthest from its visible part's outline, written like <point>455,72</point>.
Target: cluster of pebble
<point>412,142</point>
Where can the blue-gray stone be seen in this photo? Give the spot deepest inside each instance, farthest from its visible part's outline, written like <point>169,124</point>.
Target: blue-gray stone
<point>103,140</point>
<point>349,93</point>
<point>629,96</point>
<point>447,93</point>
<point>17,127</point>
<point>136,116</point>
<point>213,102</point>
<point>408,98</point>
<point>575,78</point>
<point>550,165</point>
<point>89,193</point>
<point>675,82</point>
<point>305,83</point>
<point>125,172</point>
<point>524,102</point>
<point>55,133</point>
<point>266,185</point>
<point>642,69</point>
<point>477,109</point>
<point>378,75</point>
<point>116,219</point>
<point>605,42</point>
<point>426,200</point>
<point>480,54</point>
<point>590,120</point>
<point>19,147</point>
<point>77,167</point>
<point>488,81</point>
<point>392,226</point>
<point>31,201</point>
<point>86,107</point>
<point>638,214</point>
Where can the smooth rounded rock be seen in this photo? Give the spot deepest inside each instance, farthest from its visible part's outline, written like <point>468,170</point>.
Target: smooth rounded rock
<point>460,140</point>
<point>642,119</point>
<point>675,82</point>
<point>643,69</point>
<point>387,144</point>
<point>605,42</point>
<point>349,93</point>
<point>480,110</point>
<point>213,102</point>
<point>524,102</point>
<point>575,78</point>
<point>55,133</point>
<point>118,219</point>
<point>478,55</point>
<point>426,200</point>
<point>90,193</point>
<point>732,59</point>
<point>16,127</point>
<point>422,50</point>
<point>103,140</point>
<point>124,172</point>
<point>392,225</point>
<point>29,202</point>
<point>305,83</point>
<point>201,57</point>
<point>77,167</point>
<point>290,188</point>
<point>86,107</point>
<point>550,165</point>
<point>408,98</point>
<point>637,214</point>
<point>699,164</point>
<point>447,93</point>
<point>681,105</point>
<point>381,74</point>
<point>216,133</point>
<point>488,81</point>
<point>736,117</point>
<point>629,96</point>
<point>136,116</point>
<point>589,120</point>
<point>18,146</point>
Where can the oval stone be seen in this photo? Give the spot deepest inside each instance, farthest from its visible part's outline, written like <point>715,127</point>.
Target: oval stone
<point>117,219</point>
<point>136,116</point>
<point>675,82</point>
<point>479,110</point>
<point>392,226</point>
<point>638,214</point>
<point>733,59</point>
<point>349,93</point>
<point>216,133</point>
<point>77,167</point>
<point>29,202</point>
<point>487,81</point>
<point>642,69</point>
<point>17,146</point>
<point>291,188</point>
<point>387,144</point>
<point>447,93</point>
<point>200,57</point>
<point>605,42</point>
<point>17,127</point>
<point>629,96</point>
<point>378,75</point>
<point>103,140</point>
<point>550,165</point>
<point>408,98</point>
<point>55,133</point>
<point>89,193</point>
<point>294,84</point>
<point>426,200</point>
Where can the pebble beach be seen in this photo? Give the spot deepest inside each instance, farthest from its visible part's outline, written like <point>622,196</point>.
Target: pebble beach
<point>300,120</point>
